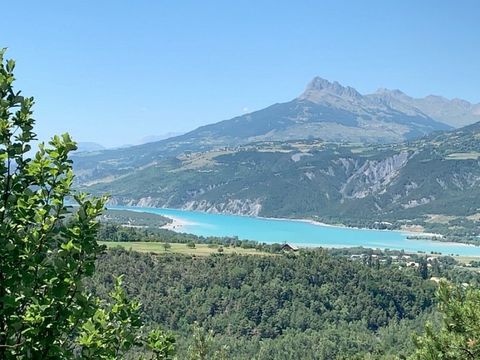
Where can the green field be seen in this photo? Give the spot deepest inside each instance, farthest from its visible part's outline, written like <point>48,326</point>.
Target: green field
<point>199,250</point>
<point>466,260</point>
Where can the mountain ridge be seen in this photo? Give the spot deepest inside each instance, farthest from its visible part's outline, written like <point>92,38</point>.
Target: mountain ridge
<point>463,114</point>
<point>414,105</point>
<point>324,110</point>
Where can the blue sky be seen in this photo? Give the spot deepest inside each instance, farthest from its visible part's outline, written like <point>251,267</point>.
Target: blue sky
<point>115,71</point>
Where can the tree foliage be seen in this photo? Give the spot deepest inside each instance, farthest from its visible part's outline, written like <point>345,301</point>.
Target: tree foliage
<point>46,251</point>
<point>459,336</point>
<point>306,305</point>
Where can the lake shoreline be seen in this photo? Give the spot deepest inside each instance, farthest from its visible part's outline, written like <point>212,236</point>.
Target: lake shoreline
<point>176,223</point>
<point>199,223</point>
<point>181,223</point>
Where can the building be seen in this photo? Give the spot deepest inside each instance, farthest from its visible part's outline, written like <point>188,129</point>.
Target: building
<point>288,247</point>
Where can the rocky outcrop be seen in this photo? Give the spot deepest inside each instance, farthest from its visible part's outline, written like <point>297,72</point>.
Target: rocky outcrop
<point>142,202</point>
<point>245,207</point>
<point>231,206</point>
<point>373,176</point>
<point>418,202</point>
<point>349,165</point>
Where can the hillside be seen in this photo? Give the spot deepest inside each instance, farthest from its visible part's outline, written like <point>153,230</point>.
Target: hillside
<point>352,183</point>
<point>455,112</point>
<point>309,306</point>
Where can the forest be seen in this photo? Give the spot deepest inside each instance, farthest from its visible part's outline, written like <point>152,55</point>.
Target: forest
<point>314,304</point>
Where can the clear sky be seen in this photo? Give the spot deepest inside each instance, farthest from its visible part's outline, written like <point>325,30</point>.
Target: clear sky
<point>115,71</point>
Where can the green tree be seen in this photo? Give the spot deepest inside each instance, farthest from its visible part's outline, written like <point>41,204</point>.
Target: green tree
<point>161,344</point>
<point>202,347</point>
<point>423,268</point>
<point>166,246</point>
<point>459,336</point>
<point>47,249</point>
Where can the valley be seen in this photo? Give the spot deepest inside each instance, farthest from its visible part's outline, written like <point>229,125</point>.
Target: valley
<point>177,184</point>
<point>421,184</point>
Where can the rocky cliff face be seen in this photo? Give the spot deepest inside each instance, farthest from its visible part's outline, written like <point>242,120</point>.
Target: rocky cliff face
<point>232,206</point>
<point>245,207</point>
<point>141,202</point>
<point>374,176</point>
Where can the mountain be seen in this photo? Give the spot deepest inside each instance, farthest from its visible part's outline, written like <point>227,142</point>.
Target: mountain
<point>85,146</point>
<point>328,111</point>
<point>455,112</point>
<point>352,183</point>
<point>153,138</point>
<point>325,110</point>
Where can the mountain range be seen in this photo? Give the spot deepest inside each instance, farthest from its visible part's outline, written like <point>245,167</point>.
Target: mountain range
<point>332,112</point>
<point>330,154</point>
<point>328,111</point>
<point>325,110</point>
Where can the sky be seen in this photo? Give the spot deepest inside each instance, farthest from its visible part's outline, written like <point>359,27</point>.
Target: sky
<point>114,72</point>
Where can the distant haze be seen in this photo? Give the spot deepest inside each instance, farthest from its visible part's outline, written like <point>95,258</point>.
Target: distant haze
<point>87,146</point>
<point>152,138</point>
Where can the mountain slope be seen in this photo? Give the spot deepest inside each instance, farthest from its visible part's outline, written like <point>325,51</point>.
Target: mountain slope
<point>325,110</point>
<point>455,112</point>
<point>89,147</point>
<point>439,174</point>
<point>328,111</point>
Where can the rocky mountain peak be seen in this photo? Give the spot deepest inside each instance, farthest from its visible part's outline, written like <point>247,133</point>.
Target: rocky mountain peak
<point>461,103</point>
<point>319,87</point>
<point>388,96</point>
<point>394,92</point>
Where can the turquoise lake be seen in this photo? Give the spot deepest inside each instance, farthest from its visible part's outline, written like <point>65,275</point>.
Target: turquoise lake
<point>301,233</point>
